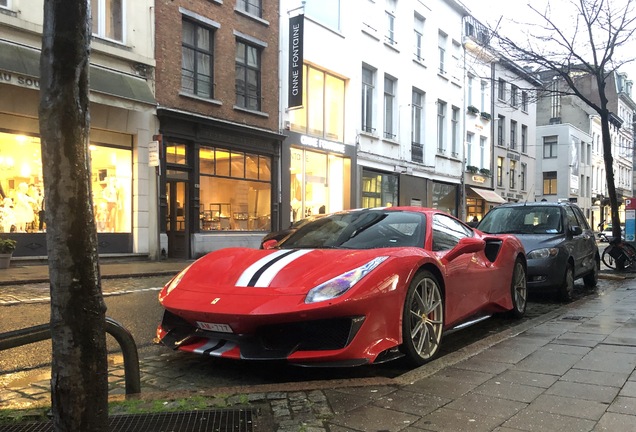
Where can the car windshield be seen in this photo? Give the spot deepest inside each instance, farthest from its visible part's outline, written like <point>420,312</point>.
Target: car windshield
<point>522,220</point>
<point>365,229</point>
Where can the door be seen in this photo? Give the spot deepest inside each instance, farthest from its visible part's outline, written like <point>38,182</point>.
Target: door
<point>177,226</point>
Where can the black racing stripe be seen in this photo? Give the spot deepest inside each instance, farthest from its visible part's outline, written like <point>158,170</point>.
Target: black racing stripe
<point>215,347</point>
<point>258,274</point>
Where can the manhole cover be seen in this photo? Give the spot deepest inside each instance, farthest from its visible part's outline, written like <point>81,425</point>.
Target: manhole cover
<point>236,420</point>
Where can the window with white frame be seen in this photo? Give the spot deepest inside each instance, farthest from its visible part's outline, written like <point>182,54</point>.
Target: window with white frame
<point>482,151</point>
<point>483,88</point>
<point>469,89</point>
<point>441,126</point>
<point>550,144</point>
<point>5,4</point>
<point>522,176</point>
<point>389,13</point>
<point>513,134</point>
<point>252,7</point>
<point>108,19</point>
<point>457,66</point>
<point>470,137</point>
<point>417,126</point>
<point>501,139</point>
<point>322,112</point>
<point>196,59</point>
<point>514,95</point>
<point>555,100</point>
<point>550,183</point>
<point>524,139</point>
<point>418,32</point>
<point>524,101</point>
<point>389,107</point>
<point>501,91</point>
<point>442,39</point>
<point>368,89</point>
<point>513,174</point>
<point>500,162</point>
<point>417,114</point>
<point>455,132</point>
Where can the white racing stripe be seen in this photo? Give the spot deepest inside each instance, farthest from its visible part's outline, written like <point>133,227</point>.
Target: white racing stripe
<point>270,273</point>
<point>244,279</point>
<point>265,269</point>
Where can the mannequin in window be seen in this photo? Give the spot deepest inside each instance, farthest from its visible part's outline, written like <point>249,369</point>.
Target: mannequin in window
<point>7,215</point>
<point>110,196</point>
<point>23,208</point>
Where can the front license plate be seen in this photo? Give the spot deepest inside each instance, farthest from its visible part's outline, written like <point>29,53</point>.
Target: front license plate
<point>223,328</point>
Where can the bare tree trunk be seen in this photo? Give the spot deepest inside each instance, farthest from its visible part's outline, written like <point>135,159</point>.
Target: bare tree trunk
<point>79,382</point>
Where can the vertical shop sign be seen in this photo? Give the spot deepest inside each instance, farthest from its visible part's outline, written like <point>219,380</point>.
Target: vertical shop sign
<point>295,73</point>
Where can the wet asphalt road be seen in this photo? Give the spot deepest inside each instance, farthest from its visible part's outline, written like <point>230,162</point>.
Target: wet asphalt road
<point>138,310</point>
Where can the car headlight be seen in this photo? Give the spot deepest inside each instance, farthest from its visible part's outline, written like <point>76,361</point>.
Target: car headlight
<point>543,253</point>
<point>173,283</point>
<point>341,284</point>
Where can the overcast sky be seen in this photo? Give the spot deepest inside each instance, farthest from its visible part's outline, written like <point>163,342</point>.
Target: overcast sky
<point>489,12</point>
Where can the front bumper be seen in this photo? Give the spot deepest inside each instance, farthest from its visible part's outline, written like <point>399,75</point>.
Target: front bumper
<point>268,342</point>
<point>545,274</point>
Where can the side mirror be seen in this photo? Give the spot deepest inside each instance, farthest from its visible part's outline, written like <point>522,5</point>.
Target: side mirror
<point>576,230</point>
<point>465,246</point>
<point>270,244</point>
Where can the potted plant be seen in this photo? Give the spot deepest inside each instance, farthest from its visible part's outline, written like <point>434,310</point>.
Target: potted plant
<point>485,115</point>
<point>473,110</point>
<point>7,246</point>
<point>485,172</point>
<point>472,169</point>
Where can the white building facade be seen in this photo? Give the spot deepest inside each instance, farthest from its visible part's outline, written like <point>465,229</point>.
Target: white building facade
<point>385,123</point>
<point>122,125</point>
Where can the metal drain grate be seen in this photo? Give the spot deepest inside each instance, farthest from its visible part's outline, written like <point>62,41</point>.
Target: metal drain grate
<point>572,318</point>
<point>236,420</point>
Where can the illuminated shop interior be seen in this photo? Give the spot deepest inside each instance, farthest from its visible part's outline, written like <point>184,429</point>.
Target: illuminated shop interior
<point>22,187</point>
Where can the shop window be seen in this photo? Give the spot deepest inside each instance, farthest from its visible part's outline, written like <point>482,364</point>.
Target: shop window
<point>107,18</point>
<point>322,112</point>
<point>22,188</point>
<point>234,191</point>
<point>112,188</point>
<point>379,189</point>
<point>550,183</point>
<point>176,154</point>
<point>445,197</point>
<point>317,183</point>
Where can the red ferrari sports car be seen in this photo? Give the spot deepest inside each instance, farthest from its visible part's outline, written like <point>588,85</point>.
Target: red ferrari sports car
<point>351,288</point>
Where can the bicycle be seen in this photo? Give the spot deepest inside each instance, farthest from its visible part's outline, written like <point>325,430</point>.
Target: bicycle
<point>619,255</point>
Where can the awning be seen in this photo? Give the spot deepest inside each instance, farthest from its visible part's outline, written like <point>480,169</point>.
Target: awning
<point>488,195</point>
<point>24,62</point>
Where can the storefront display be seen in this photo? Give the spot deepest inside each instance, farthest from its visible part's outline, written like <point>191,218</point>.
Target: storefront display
<point>317,181</point>
<point>22,186</point>
<point>234,191</point>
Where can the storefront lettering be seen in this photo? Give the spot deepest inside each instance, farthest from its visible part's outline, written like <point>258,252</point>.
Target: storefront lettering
<point>295,82</point>
<point>322,144</point>
<point>19,80</point>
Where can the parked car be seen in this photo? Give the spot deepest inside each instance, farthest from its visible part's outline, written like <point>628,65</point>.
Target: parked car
<point>350,288</point>
<point>607,235</point>
<point>559,243</point>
